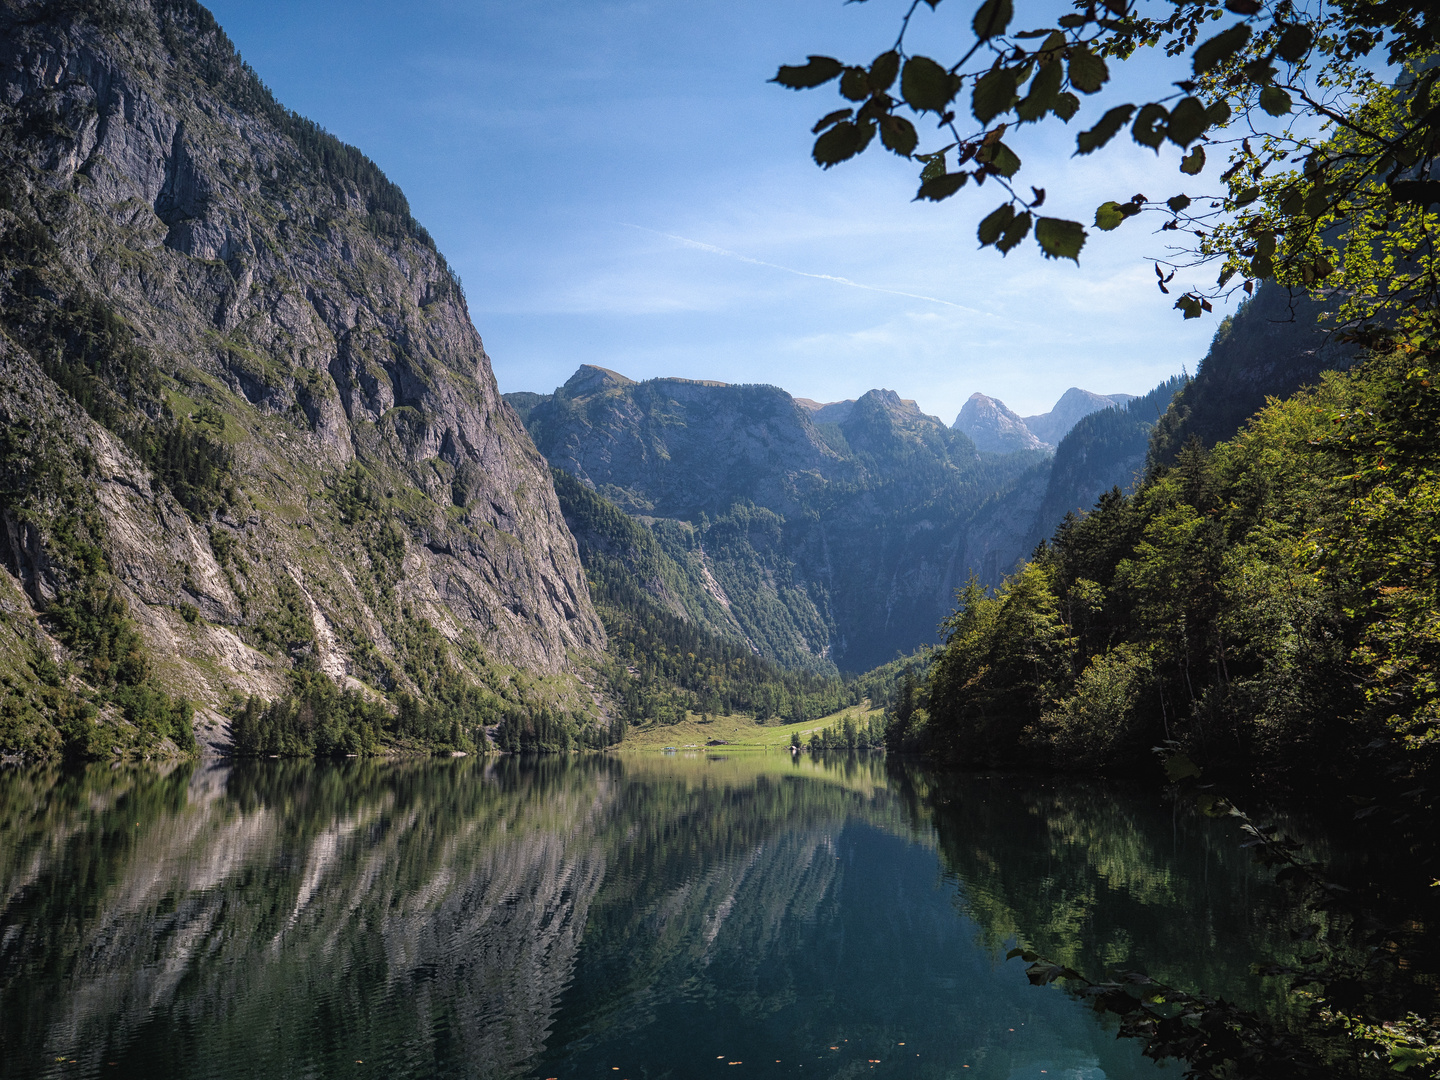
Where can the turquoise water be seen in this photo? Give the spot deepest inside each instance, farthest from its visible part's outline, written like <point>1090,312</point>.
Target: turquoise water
<point>626,917</point>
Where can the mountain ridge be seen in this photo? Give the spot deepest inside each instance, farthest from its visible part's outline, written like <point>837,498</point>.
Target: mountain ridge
<point>247,400</point>
<point>833,541</point>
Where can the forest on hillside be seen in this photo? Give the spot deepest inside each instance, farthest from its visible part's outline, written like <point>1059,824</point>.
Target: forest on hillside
<point>1267,606</point>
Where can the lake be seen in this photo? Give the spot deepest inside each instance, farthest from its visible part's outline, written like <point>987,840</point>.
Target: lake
<point>625,916</point>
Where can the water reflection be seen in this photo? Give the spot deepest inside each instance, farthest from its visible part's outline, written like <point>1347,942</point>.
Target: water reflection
<point>626,916</point>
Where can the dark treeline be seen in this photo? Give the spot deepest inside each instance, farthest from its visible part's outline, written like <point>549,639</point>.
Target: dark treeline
<point>1264,614</point>
<point>447,711</point>
<point>847,733</point>
<point>1267,606</point>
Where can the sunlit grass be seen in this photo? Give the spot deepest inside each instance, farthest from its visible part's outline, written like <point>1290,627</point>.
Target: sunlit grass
<point>736,732</point>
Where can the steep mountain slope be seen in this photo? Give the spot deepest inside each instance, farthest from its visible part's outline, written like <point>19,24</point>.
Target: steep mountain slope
<point>1105,449</point>
<point>243,396</point>
<point>1274,345</point>
<point>837,542</point>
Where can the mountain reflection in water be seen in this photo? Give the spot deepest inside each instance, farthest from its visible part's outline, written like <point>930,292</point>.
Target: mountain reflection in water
<point>625,916</point>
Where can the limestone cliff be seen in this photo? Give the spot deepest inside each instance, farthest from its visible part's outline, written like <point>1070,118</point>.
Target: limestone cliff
<point>242,392</point>
<point>993,426</point>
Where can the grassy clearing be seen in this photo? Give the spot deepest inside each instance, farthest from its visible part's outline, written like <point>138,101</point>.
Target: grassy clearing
<point>736,732</point>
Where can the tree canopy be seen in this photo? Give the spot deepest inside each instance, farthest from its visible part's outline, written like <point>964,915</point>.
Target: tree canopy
<point>1325,114</point>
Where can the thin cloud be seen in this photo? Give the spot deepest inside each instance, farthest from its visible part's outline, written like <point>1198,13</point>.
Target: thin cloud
<point>798,273</point>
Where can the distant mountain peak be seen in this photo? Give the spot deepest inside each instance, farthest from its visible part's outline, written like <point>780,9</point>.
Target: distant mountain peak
<point>994,428</point>
<point>1074,405</point>
<point>838,412</point>
<point>593,379</point>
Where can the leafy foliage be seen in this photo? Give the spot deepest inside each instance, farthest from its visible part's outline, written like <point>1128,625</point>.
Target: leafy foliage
<point>1269,604</point>
<point>1282,84</point>
<point>848,733</point>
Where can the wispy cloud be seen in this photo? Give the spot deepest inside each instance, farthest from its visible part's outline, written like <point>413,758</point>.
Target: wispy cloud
<point>700,246</point>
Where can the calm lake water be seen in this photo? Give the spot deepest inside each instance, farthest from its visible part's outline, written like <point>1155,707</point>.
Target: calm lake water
<point>624,917</point>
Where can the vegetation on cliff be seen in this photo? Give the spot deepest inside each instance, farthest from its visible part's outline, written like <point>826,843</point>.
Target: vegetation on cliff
<point>245,414</point>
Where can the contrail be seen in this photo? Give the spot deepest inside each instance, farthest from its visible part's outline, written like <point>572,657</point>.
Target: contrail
<point>798,273</point>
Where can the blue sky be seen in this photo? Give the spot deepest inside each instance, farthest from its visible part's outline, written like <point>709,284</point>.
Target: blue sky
<point>616,183</point>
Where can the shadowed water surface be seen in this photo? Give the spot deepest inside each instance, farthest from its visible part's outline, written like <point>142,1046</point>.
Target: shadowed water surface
<point>627,917</point>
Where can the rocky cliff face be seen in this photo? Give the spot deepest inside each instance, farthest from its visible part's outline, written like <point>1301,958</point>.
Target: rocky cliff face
<point>1074,405</point>
<point>992,426</point>
<point>241,388</point>
<point>823,540</point>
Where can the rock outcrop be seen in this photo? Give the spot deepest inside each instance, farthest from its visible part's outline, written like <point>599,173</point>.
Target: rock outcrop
<point>236,367</point>
<point>993,427</point>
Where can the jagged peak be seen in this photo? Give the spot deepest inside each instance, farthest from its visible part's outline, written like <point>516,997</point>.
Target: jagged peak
<point>593,379</point>
<point>994,427</point>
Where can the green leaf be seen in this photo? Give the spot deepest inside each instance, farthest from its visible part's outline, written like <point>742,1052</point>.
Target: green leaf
<point>1190,305</point>
<point>999,157</point>
<point>1108,216</point>
<point>1066,106</point>
<point>1188,121</point>
<point>1275,101</point>
<point>898,135</point>
<point>883,71</point>
<point>1220,48</point>
<point>841,142</point>
<point>1193,162</point>
<point>819,70</point>
<point>994,94</point>
<point>1060,239</point>
<point>924,84</point>
<point>830,120</point>
<point>1017,230</point>
<point>1179,766</point>
<point>1177,203</point>
<point>934,164</point>
<point>994,224</point>
<point>1219,113</point>
<point>1295,42</point>
<point>992,18</point>
<point>855,84</point>
<point>1149,127</point>
<point>1242,7</point>
<point>1247,196</point>
<point>1089,141</point>
<point>1042,974</point>
<point>1044,89</point>
<point>1088,72</point>
<point>1318,201</point>
<point>1292,203</point>
<point>941,187</point>
<point>1260,72</point>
